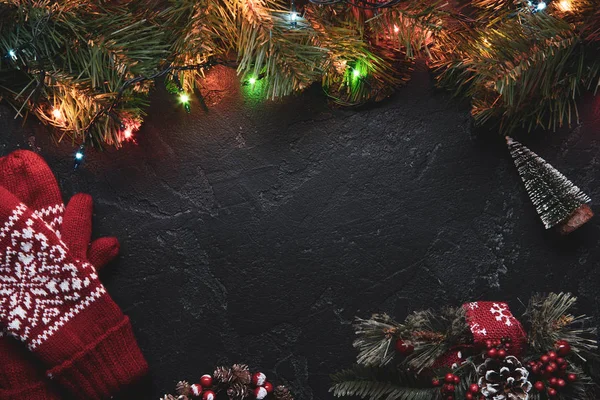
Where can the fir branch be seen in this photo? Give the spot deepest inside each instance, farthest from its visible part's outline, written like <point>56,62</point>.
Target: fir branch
<point>274,48</point>
<point>381,384</point>
<point>520,69</point>
<point>550,319</point>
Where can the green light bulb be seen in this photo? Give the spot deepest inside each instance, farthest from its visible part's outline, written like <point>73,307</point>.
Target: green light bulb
<point>252,80</point>
<point>356,73</point>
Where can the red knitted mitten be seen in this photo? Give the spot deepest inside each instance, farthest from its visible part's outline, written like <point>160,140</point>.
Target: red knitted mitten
<point>27,176</point>
<point>53,302</point>
<point>77,226</point>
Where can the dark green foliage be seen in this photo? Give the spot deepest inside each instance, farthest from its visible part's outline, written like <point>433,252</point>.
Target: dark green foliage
<point>385,383</point>
<point>521,69</point>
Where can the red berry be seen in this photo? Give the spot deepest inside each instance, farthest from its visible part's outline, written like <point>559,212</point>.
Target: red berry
<point>196,390</point>
<point>550,369</point>
<point>209,395</point>
<point>449,378</point>
<point>552,355</point>
<point>474,388</point>
<point>501,353</point>
<point>562,348</point>
<point>563,367</point>
<point>206,381</point>
<point>268,387</point>
<point>435,382</point>
<point>553,365</point>
<point>507,346</point>
<point>449,388</point>
<point>561,383</point>
<point>535,369</point>
<point>489,344</point>
<point>405,349</point>
<point>552,392</point>
<point>553,382</point>
<point>571,377</point>
<point>492,353</point>
<point>450,398</point>
<point>260,393</point>
<point>561,361</point>
<point>456,380</point>
<point>259,379</point>
<point>469,396</point>
<point>539,386</point>
<point>544,358</point>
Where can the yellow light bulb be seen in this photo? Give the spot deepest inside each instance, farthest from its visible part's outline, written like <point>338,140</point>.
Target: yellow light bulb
<point>56,113</point>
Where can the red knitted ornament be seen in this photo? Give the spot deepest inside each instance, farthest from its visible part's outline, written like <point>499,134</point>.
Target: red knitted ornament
<point>493,320</point>
<point>487,320</point>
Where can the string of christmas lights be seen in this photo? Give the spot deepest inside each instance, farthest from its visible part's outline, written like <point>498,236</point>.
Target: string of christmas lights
<point>86,71</point>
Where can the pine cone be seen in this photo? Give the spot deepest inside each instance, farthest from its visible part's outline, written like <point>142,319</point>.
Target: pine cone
<point>238,391</point>
<point>183,388</point>
<point>171,397</point>
<point>282,393</point>
<point>223,374</point>
<point>241,374</point>
<point>504,379</point>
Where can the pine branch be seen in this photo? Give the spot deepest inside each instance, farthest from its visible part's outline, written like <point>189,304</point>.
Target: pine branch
<point>550,320</point>
<point>376,336</point>
<point>433,334</point>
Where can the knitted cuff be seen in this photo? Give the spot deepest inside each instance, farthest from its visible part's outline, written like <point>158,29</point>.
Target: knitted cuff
<point>104,367</point>
<point>39,391</point>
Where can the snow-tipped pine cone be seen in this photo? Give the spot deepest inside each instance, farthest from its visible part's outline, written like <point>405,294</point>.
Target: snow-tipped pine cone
<point>241,374</point>
<point>505,379</point>
<point>283,393</point>
<point>223,374</point>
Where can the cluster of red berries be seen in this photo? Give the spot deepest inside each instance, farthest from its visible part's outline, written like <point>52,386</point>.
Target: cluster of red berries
<point>448,387</point>
<point>263,388</point>
<point>203,388</point>
<point>498,348</point>
<point>552,368</point>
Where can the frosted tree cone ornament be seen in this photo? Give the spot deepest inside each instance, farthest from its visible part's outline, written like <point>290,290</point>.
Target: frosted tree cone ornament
<point>559,203</point>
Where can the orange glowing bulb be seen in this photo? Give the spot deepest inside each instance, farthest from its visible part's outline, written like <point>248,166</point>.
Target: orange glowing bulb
<point>56,113</point>
<point>565,5</point>
<point>396,29</point>
<point>127,133</point>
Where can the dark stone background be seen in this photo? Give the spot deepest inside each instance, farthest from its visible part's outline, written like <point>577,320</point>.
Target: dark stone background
<point>255,231</point>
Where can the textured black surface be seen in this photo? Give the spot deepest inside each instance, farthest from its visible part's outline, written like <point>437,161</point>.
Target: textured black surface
<point>255,231</point>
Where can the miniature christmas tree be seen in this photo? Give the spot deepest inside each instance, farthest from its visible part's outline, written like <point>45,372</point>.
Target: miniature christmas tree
<point>556,199</point>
